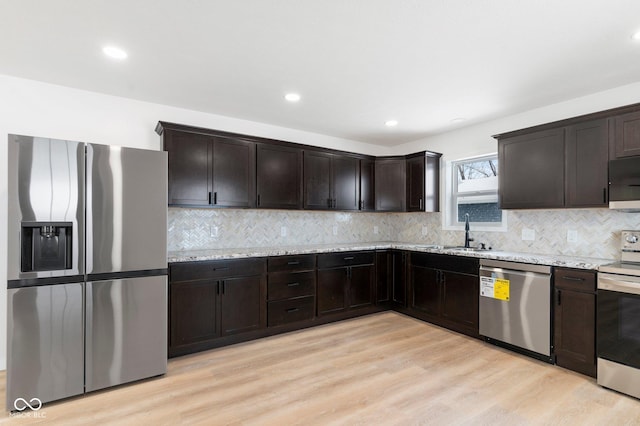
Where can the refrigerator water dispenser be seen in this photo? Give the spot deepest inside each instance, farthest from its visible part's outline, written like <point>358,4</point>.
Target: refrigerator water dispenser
<point>46,246</point>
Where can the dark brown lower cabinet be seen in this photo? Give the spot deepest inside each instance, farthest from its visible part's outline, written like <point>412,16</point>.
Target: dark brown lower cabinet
<point>291,289</point>
<point>444,290</point>
<point>391,278</point>
<point>212,300</point>
<point>575,320</point>
<point>345,281</point>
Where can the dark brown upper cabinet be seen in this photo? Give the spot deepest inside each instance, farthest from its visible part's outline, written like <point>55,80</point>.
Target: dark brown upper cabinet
<point>554,168</point>
<point>532,170</point>
<point>367,180</point>
<point>423,181</point>
<point>627,134</point>
<point>331,181</point>
<point>390,184</point>
<point>279,177</point>
<point>209,170</point>
<point>212,168</point>
<point>587,158</point>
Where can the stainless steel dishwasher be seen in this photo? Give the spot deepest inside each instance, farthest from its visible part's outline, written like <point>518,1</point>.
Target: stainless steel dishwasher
<point>515,307</point>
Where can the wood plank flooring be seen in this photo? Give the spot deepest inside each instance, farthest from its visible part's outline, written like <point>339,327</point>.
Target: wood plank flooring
<point>385,369</point>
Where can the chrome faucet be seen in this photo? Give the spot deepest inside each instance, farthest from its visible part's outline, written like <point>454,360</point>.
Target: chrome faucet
<point>467,240</point>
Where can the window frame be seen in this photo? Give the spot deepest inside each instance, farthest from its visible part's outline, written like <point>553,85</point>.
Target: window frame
<point>450,216</point>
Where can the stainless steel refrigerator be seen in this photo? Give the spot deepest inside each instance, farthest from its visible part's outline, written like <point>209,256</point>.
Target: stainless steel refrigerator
<point>87,267</point>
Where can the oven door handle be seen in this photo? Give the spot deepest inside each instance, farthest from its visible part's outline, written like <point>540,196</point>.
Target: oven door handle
<point>617,283</point>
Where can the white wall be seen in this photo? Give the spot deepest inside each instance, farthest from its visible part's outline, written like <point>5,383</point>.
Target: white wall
<point>476,139</point>
<point>38,109</point>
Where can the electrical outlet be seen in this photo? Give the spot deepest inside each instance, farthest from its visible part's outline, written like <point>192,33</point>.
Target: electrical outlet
<point>375,230</point>
<point>572,236</point>
<point>213,231</point>
<point>335,229</point>
<point>424,231</point>
<point>283,231</point>
<point>528,234</point>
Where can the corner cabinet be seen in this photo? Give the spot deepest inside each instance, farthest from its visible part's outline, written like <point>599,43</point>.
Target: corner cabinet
<point>391,278</point>
<point>212,300</point>
<point>444,290</point>
<point>575,320</point>
<point>390,184</point>
<point>208,170</point>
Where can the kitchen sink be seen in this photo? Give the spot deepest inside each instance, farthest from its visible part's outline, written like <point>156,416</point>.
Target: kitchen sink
<point>461,248</point>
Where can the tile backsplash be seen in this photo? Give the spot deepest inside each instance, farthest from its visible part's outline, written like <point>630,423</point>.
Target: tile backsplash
<point>598,230</point>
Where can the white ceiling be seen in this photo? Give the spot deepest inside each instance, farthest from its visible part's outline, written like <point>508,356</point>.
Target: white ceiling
<point>356,63</point>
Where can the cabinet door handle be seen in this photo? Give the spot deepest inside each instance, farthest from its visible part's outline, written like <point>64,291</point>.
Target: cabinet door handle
<point>604,195</point>
<point>293,262</point>
<point>572,278</point>
<point>215,198</point>
<point>209,197</point>
<point>349,258</point>
<point>258,200</point>
<point>558,297</point>
<point>292,310</point>
<point>420,203</point>
<point>224,268</point>
<point>292,284</point>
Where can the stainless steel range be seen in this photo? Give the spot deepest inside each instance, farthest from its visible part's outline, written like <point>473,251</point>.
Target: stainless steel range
<point>618,323</point>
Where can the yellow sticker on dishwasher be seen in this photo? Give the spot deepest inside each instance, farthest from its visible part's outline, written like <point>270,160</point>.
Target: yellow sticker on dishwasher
<point>501,289</point>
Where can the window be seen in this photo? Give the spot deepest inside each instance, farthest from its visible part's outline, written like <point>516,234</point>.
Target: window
<point>473,187</point>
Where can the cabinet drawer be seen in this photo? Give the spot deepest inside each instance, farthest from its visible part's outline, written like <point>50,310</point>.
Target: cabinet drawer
<point>347,258</point>
<point>291,310</point>
<point>216,269</point>
<point>573,279</point>
<point>303,262</point>
<point>283,285</point>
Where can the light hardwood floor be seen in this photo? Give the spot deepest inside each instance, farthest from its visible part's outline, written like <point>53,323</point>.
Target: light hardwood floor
<point>380,369</point>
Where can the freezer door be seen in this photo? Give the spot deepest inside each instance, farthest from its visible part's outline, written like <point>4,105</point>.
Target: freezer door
<point>126,209</point>
<point>126,330</point>
<point>45,347</point>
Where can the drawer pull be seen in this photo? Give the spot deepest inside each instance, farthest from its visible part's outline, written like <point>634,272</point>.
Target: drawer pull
<point>572,278</point>
<point>292,284</point>
<point>293,262</point>
<point>349,258</point>
<point>292,310</point>
<point>221,269</point>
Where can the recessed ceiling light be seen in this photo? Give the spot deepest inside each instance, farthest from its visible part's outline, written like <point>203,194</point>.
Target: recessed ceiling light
<point>292,97</point>
<point>391,123</point>
<point>636,36</point>
<point>114,52</point>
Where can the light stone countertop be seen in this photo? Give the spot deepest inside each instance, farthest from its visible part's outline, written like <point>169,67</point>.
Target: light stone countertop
<point>531,258</point>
